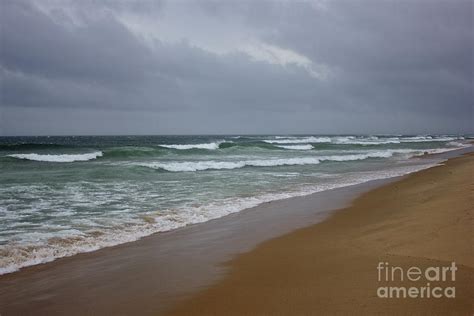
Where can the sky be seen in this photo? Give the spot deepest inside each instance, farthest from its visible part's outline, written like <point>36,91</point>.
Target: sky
<point>99,67</point>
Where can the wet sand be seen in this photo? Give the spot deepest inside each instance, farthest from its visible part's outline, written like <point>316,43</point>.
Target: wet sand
<point>424,220</point>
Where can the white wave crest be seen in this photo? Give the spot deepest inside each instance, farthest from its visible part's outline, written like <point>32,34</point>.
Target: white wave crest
<point>209,146</point>
<point>58,158</point>
<point>374,140</point>
<point>459,144</point>
<point>302,140</point>
<point>219,165</point>
<point>297,147</point>
<point>361,142</point>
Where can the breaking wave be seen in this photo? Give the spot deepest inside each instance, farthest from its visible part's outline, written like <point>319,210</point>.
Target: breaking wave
<point>296,147</point>
<point>187,166</point>
<point>209,146</point>
<point>296,140</point>
<point>359,140</point>
<point>374,140</point>
<point>58,158</point>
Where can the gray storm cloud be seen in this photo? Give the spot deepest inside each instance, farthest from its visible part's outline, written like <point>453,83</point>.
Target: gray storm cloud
<point>133,67</point>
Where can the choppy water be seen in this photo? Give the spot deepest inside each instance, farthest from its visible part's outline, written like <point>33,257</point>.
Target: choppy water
<point>63,195</point>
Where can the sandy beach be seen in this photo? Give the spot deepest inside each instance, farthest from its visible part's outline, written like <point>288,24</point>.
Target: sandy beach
<point>424,220</point>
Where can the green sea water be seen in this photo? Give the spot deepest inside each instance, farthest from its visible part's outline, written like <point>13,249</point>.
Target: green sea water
<point>64,195</point>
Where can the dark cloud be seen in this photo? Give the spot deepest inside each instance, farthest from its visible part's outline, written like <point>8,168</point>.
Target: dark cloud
<point>106,67</point>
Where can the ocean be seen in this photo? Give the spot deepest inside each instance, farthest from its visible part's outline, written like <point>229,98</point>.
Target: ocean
<point>60,196</point>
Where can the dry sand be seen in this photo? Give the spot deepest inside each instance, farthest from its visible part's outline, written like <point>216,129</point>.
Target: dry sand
<point>424,220</point>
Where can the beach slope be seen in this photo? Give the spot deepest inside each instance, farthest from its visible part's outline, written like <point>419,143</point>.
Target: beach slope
<point>424,220</point>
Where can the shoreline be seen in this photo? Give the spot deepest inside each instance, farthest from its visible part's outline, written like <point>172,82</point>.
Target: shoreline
<point>73,281</point>
<point>136,235</point>
<point>146,232</point>
<point>422,220</point>
<point>63,286</point>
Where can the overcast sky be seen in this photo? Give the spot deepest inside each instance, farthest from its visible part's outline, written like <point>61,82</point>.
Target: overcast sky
<point>194,67</point>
